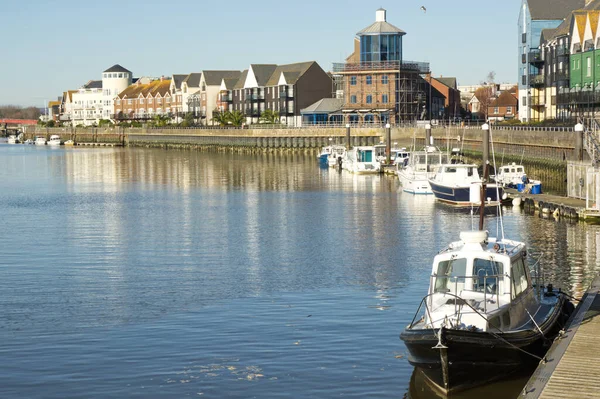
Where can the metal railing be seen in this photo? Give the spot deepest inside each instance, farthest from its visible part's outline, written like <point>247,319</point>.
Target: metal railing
<point>416,66</point>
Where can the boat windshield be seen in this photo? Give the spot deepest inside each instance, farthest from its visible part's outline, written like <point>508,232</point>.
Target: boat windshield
<point>482,268</point>
<point>449,273</point>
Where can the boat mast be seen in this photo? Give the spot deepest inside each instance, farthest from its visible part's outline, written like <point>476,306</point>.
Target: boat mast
<point>486,154</point>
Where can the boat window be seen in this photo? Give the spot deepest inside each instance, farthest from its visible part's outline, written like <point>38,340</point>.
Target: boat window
<point>450,170</point>
<point>449,273</point>
<point>469,171</point>
<point>519,277</point>
<point>512,170</point>
<point>519,169</point>
<point>506,170</point>
<point>365,156</point>
<point>486,271</point>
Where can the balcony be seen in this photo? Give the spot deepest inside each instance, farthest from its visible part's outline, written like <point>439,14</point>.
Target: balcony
<point>538,101</point>
<point>394,66</point>
<point>562,77</point>
<point>536,80</point>
<point>562,51</point>
<point>289,93</point>
<point>535,57</point>
<point>226,98</point>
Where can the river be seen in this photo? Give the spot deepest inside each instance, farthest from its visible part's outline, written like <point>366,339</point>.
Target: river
<point>129,272</point>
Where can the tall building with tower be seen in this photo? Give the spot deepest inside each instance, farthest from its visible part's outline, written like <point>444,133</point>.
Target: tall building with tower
<point>376,83</point>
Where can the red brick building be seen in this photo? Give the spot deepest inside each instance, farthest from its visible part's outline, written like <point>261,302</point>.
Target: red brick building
<point>143,101</point>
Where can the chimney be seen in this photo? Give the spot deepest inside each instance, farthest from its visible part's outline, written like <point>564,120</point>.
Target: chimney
<point>380,15</point>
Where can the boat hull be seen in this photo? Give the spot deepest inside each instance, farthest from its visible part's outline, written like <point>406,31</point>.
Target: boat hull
<point>414,184</point>
<point>475,358</point>
<point>460,195</point>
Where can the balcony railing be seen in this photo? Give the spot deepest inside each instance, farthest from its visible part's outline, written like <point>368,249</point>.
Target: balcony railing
<point>562,51</point>
<point>561,77</point>
<point>538,101</point>
<point>535,57</point>
<point>370,106</point>
<point>413,66</point>
<point>536,80</point>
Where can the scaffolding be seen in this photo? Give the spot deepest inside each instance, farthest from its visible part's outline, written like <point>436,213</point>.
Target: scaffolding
<point>361,87</point>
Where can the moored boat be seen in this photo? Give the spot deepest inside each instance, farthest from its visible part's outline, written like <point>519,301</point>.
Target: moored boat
<point>421,165</point>
<point>453,183</point>
<point>69,142</point>
<point>12,139</point>
<point>336,155</point>
<point>514,176</point>
<point>40,140</point>
<point>361,160</point>
<point>54,140</point>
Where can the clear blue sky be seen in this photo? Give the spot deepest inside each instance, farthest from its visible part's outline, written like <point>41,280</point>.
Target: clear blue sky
<point>60,45</point>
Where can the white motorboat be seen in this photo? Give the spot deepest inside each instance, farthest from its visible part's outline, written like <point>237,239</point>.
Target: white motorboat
<point>514,176</point>
<point>54,140</point>
<point>361,160</point>
<point>399,157</point>
<point>40,140</point>
<point>336,155</point>
<point>380,152</point>
<point>12,139</point>
<point>452,183</point>
<point>485,315</point>
<point>28,141</point>
<point>421,166</point>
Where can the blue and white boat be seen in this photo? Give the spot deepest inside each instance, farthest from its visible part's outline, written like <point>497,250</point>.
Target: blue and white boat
<point>453,183</point>
<point>324,155</point>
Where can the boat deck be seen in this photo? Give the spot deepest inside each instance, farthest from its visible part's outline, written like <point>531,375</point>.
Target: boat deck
<point>572,369</point>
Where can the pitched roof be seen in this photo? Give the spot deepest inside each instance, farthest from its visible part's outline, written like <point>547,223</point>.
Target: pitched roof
<point>292,72</point>
<point>178,80</point>
<point>155,87</point>
<point>193,79</point>
<point>553,9</point>
<point>117,68</point>
<point>263,72</point>
<point>93,84</point>
<point>450,82</point>
<point>230,82</point>
<point>380,27</point>
<point>241,80</point>
<point>325,105</point>
<point>214,78</point>
<point>505,99</point>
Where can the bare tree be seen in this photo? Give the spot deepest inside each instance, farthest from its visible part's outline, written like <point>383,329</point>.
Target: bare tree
<point>491,77</point>
<point>17,112</point>
<point>485,95</point>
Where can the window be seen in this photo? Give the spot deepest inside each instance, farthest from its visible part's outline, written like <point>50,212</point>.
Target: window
<point>496,110</point>
<point>129,101</point>
<point>384,79</point>
<point>369,99</point>
<point>524,101</point>
<point>519,278</point>
<point>353,99</point>
<point>509,109</point>
<point>482,268</point>
<point>369,79</point>
<point>450,273</point>
<point>589,66</point>
<point>149,101</point>
<point>120,75</point>
<point>352,80</point>
<point>141,101</point>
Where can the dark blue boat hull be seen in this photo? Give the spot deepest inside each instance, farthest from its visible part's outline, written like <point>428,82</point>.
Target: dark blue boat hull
<point>461,195</point>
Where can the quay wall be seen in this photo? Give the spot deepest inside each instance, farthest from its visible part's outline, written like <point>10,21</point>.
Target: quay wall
<point>552,143</point>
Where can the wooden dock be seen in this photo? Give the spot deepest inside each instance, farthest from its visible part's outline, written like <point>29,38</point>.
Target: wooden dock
<point>548,203</point>
<point>572,369</point>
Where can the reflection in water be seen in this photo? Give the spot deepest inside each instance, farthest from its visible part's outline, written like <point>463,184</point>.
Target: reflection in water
<point>238,250</point>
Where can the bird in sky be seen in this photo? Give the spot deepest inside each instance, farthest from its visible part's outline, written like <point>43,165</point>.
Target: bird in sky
<point>424,9</point>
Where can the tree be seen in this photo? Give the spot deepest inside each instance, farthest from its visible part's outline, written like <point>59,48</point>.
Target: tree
<point>188,120</point>
<point>160,120</point>
<point>236,118</point>
<point>491,77</point>
<point>269,116</point>
<point>220,117</point>
<point>105,122</point>
<point>50,123</point>
<point>485,95</point>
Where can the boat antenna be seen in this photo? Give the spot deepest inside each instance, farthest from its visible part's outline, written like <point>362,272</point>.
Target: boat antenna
<point>497,189</point>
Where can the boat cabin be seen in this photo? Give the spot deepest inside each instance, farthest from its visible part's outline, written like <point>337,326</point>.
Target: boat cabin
<point>480,284</point>
<point>427,160</point>
<point>510,174</point>
<point>457,174</point>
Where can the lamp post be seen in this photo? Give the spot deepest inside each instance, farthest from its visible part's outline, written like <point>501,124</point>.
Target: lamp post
<point>579,142</point>
<point>348,136</point>
<point>388,143</point>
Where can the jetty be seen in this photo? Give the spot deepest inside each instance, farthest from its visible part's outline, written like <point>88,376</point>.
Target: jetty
<point>570,369</point>
<point>565,207</point>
